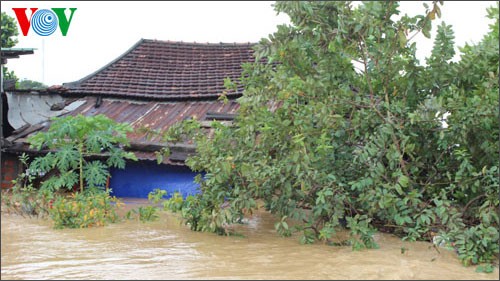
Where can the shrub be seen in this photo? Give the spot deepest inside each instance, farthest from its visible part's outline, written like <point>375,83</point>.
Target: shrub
<point>80,210</point>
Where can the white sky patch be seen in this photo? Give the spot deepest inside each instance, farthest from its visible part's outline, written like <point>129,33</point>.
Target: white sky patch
<point>444,118</point>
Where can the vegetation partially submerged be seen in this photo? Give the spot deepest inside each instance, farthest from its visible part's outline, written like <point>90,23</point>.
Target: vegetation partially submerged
<point>344,127</point>
<point>341,127</point>
<point>69,182</point>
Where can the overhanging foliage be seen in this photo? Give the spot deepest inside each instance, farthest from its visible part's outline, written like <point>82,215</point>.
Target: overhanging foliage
<point>359,139</point>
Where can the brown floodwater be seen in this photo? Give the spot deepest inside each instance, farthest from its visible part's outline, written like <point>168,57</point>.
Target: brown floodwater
<point>167,249</point>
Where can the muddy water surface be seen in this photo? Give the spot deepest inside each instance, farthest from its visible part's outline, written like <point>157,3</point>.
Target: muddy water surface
<point>165,249</point>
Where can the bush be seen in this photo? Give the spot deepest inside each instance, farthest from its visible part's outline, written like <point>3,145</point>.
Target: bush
<point>148,213</point>
<point>71,145</point>
<point>80,210</point>
<point>23,198</point>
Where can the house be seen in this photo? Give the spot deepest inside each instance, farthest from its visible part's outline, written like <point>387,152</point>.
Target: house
<point>9,166</point>
<point>153,85</point>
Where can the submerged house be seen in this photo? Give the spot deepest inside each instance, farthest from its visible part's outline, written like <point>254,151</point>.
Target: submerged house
<point>9,166</point>
<point>152,85</point>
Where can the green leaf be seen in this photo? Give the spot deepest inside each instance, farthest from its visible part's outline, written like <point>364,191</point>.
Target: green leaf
<point>403,181</point>
<point>116,158</point>
<point>95,174</point>
<point>438,10</point>
<point>398,189</point>
<point>68,180</point>
<point>487,268</point>
<point>285,225</point>
<point>407,219</point>
<point>67,158</point>
<point>357,28</point>
<point>159,157</point>
<point>402,38</point>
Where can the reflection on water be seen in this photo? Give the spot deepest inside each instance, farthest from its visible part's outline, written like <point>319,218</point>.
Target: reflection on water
<point>165,249</point>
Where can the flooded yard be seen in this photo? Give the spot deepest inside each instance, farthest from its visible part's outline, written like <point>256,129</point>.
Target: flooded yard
<point>166,249</point>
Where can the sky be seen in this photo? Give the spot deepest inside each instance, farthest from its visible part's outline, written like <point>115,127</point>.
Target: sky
<point>101,31</point>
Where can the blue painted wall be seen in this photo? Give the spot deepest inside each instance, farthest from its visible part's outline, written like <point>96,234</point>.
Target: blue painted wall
<point>140,178</point>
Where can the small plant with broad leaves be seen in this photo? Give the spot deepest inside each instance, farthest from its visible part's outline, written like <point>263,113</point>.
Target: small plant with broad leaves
<point>73,172</point>
<point>73,145</point>
<point>150,212</point>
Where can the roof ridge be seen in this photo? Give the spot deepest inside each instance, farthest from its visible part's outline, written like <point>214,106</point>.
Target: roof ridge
<point>170,69</point>
<point>200,43</point>
<point>78,82</point>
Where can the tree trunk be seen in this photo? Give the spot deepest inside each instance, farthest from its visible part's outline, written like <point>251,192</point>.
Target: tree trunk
<point>80,148</point>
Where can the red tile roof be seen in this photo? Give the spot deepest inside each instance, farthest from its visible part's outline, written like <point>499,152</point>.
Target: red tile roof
<point>167,70</point>
<point>154,85</point>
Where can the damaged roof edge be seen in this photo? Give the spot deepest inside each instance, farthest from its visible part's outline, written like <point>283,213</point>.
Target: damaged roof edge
<point>143,150</point>
<point>76,83</point>
<point>13,53</point>
<point>151,97</point>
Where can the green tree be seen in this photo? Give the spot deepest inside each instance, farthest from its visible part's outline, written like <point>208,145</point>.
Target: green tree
<point>30,84</point>
<point>9,31</point>
<point>75,143</point>
<point>342,126</point>
<point>9,40</point>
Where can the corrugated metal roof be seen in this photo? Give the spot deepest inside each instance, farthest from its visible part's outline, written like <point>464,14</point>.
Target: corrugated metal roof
<point>12,53</point>
<point>158,116</point>
<point>155,69</point>
<point>154,85</point>
<point>152,115</point>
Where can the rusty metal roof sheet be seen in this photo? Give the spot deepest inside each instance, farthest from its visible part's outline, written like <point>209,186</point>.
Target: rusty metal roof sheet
<point>166,70</point>
<point>12,53</point>
<point>157,116</point>
<point>154,85</point>
<point>152,115</point>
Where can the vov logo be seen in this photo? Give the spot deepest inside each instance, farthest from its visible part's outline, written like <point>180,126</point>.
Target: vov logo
<point>44,22</point>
